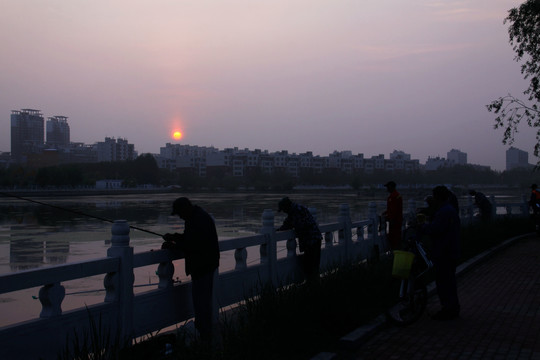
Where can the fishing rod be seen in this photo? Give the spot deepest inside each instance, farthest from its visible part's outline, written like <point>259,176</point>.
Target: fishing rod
<point>75,212</point>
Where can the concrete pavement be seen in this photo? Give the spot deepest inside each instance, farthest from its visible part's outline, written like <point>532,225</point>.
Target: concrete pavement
<point>500,315</point>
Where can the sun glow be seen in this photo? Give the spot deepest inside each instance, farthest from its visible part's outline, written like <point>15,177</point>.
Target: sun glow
<point>177,135</point>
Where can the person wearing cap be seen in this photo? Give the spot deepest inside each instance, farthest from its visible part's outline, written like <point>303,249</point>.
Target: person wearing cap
<point>309,236</point>
<point>393,215</point>
<point>199,243</point>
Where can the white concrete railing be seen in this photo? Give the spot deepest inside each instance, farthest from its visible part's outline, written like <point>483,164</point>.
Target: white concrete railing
<point>123,315</point>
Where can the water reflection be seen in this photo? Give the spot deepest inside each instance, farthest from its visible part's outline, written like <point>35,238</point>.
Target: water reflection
<point>34,235</point>
<point>38,234</point>
<point>26,253</point>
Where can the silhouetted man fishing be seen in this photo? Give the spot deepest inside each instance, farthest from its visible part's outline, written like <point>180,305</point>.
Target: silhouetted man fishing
<point>309,236</point>
<point>199,242</point>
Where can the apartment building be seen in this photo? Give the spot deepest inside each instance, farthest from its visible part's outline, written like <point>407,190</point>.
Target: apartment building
<point>240,162</point>
<point>27,133</point>
<point>115,150</point>
<point>57,132</point>
<point>516,158</point>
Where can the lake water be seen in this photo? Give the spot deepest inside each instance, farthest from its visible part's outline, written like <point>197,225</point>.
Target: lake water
<point>34,235</point>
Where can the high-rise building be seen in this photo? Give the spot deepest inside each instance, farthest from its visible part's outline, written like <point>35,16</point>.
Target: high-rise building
<point>456,157</point>
<point>516,158</point>
<point>57,132</point>
<point>27,133</point>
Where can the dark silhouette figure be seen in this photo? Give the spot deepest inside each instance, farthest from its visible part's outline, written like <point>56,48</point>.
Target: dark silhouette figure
<point>199,242</point>
<point>483,204</point>
<point>309,236</point>
<point>393,215</point>
<point>444,232</point>
<point>534,200</point>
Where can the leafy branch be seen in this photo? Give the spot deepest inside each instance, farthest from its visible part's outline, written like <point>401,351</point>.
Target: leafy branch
<point>510,112</point>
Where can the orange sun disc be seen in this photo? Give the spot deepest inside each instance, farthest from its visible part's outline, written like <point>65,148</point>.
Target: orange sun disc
<point>177,135</point>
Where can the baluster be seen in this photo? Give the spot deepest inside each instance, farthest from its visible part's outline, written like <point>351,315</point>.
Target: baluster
<point>240,255</point>
<point>291,247</point>
<point>345,220</point>
<point>263,251</point>
<point>372,228</point>
<point>360,233</point>
<point>267,228</point>
<point>373,231</point>
<point>328,239</point>
<point>411,212</point>
<point>470,210</point>
<point>51,296</point>
<point>524,205</point>
<point>165,273</point>
<point>110,282</point>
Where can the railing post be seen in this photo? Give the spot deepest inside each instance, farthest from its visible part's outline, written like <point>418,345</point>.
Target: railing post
<point>411,212</point>
<point>471,210</point>
<point>313,212</point>
<point>493,206</point>
<point>268,251</point>
<point>373,229</point>
<point>524,206</point>
<point>345,234</point>
<point>119,285</point>
<point>328,239</point>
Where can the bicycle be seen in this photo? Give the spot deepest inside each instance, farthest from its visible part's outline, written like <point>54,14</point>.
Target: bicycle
<point>413,294</point>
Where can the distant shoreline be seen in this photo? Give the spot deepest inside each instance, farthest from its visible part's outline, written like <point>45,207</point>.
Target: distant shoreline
<point>131,191</point>
<point>84,192</point>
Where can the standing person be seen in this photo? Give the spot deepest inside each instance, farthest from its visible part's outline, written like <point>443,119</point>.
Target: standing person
<point>534,200</point>
<point>199,242</point>
<point>534,204</point>
<point>444,230</point>
<point>393,215</point>
<point>309,236</point>
<point>483,204</point>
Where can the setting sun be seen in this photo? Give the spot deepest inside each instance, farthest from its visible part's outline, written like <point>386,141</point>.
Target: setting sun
<point>177,135</point>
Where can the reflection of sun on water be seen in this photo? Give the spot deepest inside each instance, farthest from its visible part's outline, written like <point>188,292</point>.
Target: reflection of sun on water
<point>177,135</point>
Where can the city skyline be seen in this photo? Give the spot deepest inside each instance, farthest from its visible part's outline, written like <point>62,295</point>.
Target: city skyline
<point>59,137</point>
<point>368,77</point>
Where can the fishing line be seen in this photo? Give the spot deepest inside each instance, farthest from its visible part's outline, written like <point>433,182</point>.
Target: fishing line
<point>76,212</point>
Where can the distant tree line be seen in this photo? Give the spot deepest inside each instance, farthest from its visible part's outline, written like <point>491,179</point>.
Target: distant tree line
<point>144,170</point>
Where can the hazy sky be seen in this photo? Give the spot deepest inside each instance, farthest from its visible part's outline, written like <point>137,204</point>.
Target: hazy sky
<point>368,76</point>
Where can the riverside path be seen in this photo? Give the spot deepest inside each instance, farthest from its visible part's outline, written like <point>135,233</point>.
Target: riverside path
<point>500,315</point>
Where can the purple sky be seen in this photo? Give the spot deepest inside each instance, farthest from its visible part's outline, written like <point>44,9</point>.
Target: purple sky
<point>368,76</point>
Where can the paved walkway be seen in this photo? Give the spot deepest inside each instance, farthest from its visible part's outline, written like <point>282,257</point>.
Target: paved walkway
<point>500,315</point>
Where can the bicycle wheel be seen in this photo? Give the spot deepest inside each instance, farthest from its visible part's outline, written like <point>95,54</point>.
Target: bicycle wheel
<point>410,306</point>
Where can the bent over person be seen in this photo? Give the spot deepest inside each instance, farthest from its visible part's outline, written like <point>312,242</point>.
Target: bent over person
<point>309,236</point>
<point>199,242</point>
